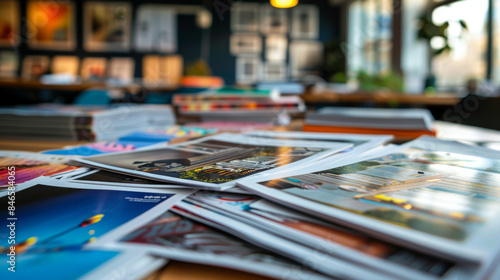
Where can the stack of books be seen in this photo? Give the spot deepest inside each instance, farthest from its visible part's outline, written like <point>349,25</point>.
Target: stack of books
<point>286,205</point>
<point>264,106</point>
<point>404,124</point>
<point>91,123</point>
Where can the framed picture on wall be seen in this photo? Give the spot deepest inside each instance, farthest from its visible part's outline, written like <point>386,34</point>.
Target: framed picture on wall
<point>245,17</point>
<point>276,47</point>
<point>121,69</point>
<point>275,71</point>
<point>305,22</point>
<point>273,20</point>
<point>51,25</point>
<point>9,23</point>
<point>9,63</point>
<point>246,44</point>
<point>94,68</point>
<point>162,70</point>
<point>35,66</point>
<point>156,29</point>
<point>65,64</point>
<point>306,58</point>
<point>248,69</point>
<point>107,26</point>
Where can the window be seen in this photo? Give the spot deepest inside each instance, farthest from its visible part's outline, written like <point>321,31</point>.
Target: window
<point>467,58</point>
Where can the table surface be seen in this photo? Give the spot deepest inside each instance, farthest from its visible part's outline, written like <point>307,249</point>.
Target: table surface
<point>185,271</point>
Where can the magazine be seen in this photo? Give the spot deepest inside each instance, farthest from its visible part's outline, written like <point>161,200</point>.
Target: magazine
<point>412,197</point>
<point>83,264</point>
<point>62,221</point>
<point>215,162</point>
<point>328,237</point>
<point>25,166</point>
<point>179,238</point>
<point>102,177</point>
<point>362,143</point>
<point>315,259</point>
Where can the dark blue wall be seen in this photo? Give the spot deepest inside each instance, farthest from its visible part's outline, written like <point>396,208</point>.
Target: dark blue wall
<point>220,60</point>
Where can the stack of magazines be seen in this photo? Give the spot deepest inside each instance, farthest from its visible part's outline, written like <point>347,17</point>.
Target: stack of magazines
<point>92,123</point>
<point>404,124</point>
<point>235,104</point>
<point>286,205</point>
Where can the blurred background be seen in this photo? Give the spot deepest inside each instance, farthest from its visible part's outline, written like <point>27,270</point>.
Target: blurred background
<point>370,53</point>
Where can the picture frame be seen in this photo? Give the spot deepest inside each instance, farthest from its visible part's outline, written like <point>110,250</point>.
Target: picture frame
<point>52,25</point>
<point>162,70</point>
<point>276,48</point>
<point>245,17</point>
<point>65,64</point>
<point>156,29</point>
<point>94,69</point>
<point>248,69</point>
<point>306,58</point>
<point>121,69</point>
<point>305,22</point>
<point>9,23</point>
<point>273,20</point>
<point>9,63</point>
<point>35,66</point>
<point>274,71</point>
<point>246,44</point>
<point>107,26</point>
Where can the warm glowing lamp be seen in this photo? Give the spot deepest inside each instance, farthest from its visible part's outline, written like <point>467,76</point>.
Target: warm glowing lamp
<point>284,3</point>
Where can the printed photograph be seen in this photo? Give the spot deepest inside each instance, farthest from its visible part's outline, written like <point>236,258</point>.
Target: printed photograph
<point>210,161</point>
<point>172,232</point>
<point>407,189</point>
<point>318,231</point>
<point>53,24</point>
<point>101,176</point>
<point>107,26</point>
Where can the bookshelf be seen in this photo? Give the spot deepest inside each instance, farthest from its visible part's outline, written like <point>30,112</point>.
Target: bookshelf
<point>36,85</point>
